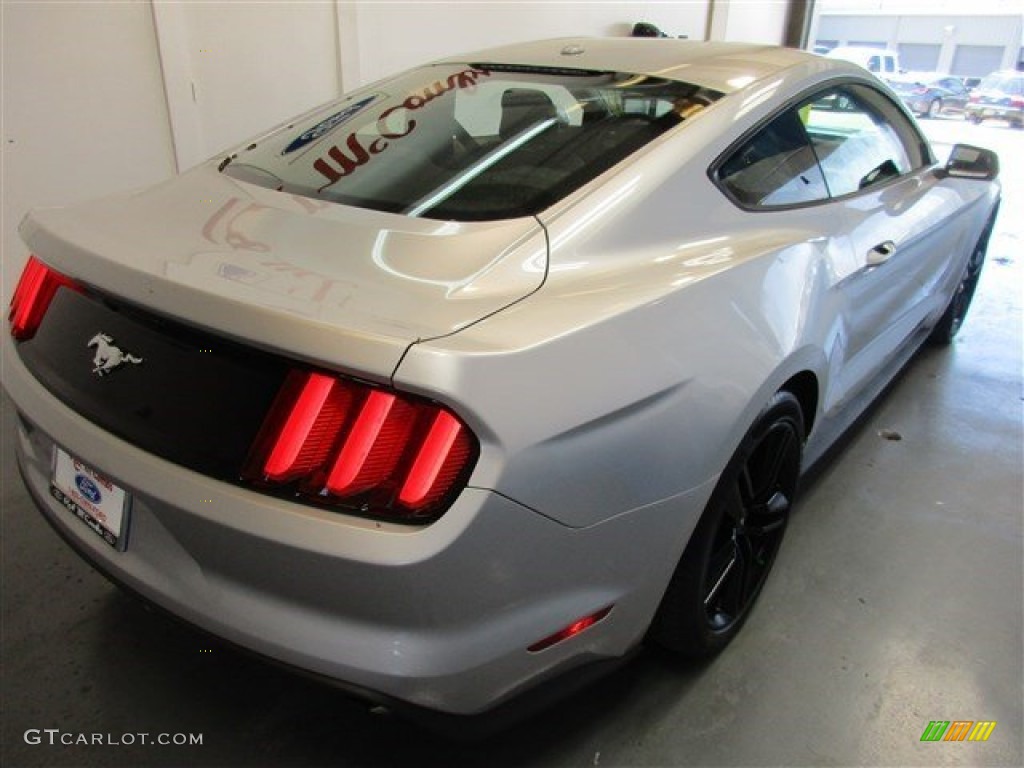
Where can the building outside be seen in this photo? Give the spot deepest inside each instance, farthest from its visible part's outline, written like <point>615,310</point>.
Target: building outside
<point>967,39</point>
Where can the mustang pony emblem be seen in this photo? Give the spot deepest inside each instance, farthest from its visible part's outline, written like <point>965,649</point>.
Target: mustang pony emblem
<point>108,357</point>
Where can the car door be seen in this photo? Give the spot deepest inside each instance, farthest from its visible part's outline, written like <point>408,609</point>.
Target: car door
<point>846,165</point>
<point>878,169</point>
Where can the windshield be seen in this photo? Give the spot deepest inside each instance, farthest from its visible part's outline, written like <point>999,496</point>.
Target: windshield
<point>469,142</point>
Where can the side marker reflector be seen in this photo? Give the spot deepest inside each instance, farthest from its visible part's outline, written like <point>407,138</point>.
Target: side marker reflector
<point>570,631</point>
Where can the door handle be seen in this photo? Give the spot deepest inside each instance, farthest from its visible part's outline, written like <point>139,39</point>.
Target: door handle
<point>881,253</point>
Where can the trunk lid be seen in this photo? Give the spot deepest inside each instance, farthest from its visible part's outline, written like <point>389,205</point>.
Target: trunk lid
<point>335,285</point>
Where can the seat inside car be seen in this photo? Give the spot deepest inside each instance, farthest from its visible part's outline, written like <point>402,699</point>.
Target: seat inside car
<point>522,108</point>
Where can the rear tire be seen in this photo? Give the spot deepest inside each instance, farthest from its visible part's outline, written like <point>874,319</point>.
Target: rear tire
<point>732,550</point>
<point>934,108</point>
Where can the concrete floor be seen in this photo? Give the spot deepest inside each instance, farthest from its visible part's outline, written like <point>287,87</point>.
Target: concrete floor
<point>896,600</point>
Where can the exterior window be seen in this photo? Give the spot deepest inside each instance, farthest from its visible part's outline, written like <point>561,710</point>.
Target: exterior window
<point>469,142</point>
<point>856,146</point>
<point>836,143</point>
<point>953,85</point>
<point>776,167</point>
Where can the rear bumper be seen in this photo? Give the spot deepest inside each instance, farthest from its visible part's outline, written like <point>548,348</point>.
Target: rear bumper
<point>439,616</point>
<point>996,111</point>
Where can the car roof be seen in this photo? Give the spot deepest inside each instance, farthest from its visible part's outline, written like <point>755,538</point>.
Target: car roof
<point>725,67</point>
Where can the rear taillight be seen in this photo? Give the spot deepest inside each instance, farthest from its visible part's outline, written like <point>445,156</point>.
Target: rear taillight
<point>1017,101</point>
<point>340,442</point>
<point>32,297</point>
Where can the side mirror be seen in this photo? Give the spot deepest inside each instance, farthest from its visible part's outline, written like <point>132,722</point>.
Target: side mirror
<point>967,162</point>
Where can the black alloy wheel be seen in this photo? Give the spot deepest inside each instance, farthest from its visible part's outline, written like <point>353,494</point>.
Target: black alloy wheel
<point>748,535</point>
<point>732,550</point>
<point>953,318</point>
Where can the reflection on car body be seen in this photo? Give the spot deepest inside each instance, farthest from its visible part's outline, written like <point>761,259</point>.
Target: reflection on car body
<point>450,390</point>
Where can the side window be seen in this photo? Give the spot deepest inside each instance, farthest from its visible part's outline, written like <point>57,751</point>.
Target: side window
<point>860,139</point>
<point>775,167</point>
<point>874,65</point>
<point>890,64</point>
<point>953,85</point>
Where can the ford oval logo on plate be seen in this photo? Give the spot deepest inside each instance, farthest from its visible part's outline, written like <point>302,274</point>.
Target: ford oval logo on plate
<point>88,489</point>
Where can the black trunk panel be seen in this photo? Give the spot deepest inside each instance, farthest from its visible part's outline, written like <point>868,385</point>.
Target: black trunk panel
<point>195,399</point>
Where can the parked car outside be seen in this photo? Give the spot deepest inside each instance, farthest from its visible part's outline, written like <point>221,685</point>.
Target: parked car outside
<point>496,368</point>
<point>1000,96</point>
<point>930,94</point>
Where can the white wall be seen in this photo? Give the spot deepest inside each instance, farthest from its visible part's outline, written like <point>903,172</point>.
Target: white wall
<point>751,21</point>
<point>233,69</point>
<point>391,36</point>
<point>83,109</point>
<point>104,96</point>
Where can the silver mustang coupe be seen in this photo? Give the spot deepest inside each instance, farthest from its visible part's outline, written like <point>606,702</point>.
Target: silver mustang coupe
<point>494,368</point>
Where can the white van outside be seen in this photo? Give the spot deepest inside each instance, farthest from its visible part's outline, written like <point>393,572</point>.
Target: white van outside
<point>882,62</point>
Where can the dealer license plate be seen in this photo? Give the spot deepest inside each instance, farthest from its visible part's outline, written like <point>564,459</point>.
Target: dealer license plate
<point>94,499</point>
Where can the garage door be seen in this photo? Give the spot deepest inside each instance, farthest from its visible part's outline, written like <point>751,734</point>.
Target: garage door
<point>976,60</point>
<point>919,57</point>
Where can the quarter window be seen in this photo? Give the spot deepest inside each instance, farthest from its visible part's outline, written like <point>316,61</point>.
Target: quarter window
<point>836,143</point>
<point>776,167</point>
<point>856,146</point>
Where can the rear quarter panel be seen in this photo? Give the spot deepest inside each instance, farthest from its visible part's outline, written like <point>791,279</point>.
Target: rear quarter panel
<point>631,375</point>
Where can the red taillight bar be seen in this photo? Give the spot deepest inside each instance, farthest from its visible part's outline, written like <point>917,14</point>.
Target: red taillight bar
<point>332,440</point>
<point>430,459</point>
<point>295,434</point>
<point>32,296</point>
<point>356,450</point>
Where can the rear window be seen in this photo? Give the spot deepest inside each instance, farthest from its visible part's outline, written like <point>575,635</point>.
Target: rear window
<point>1012,84</point>
<point>469,142</point>
<point>905,86</point>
